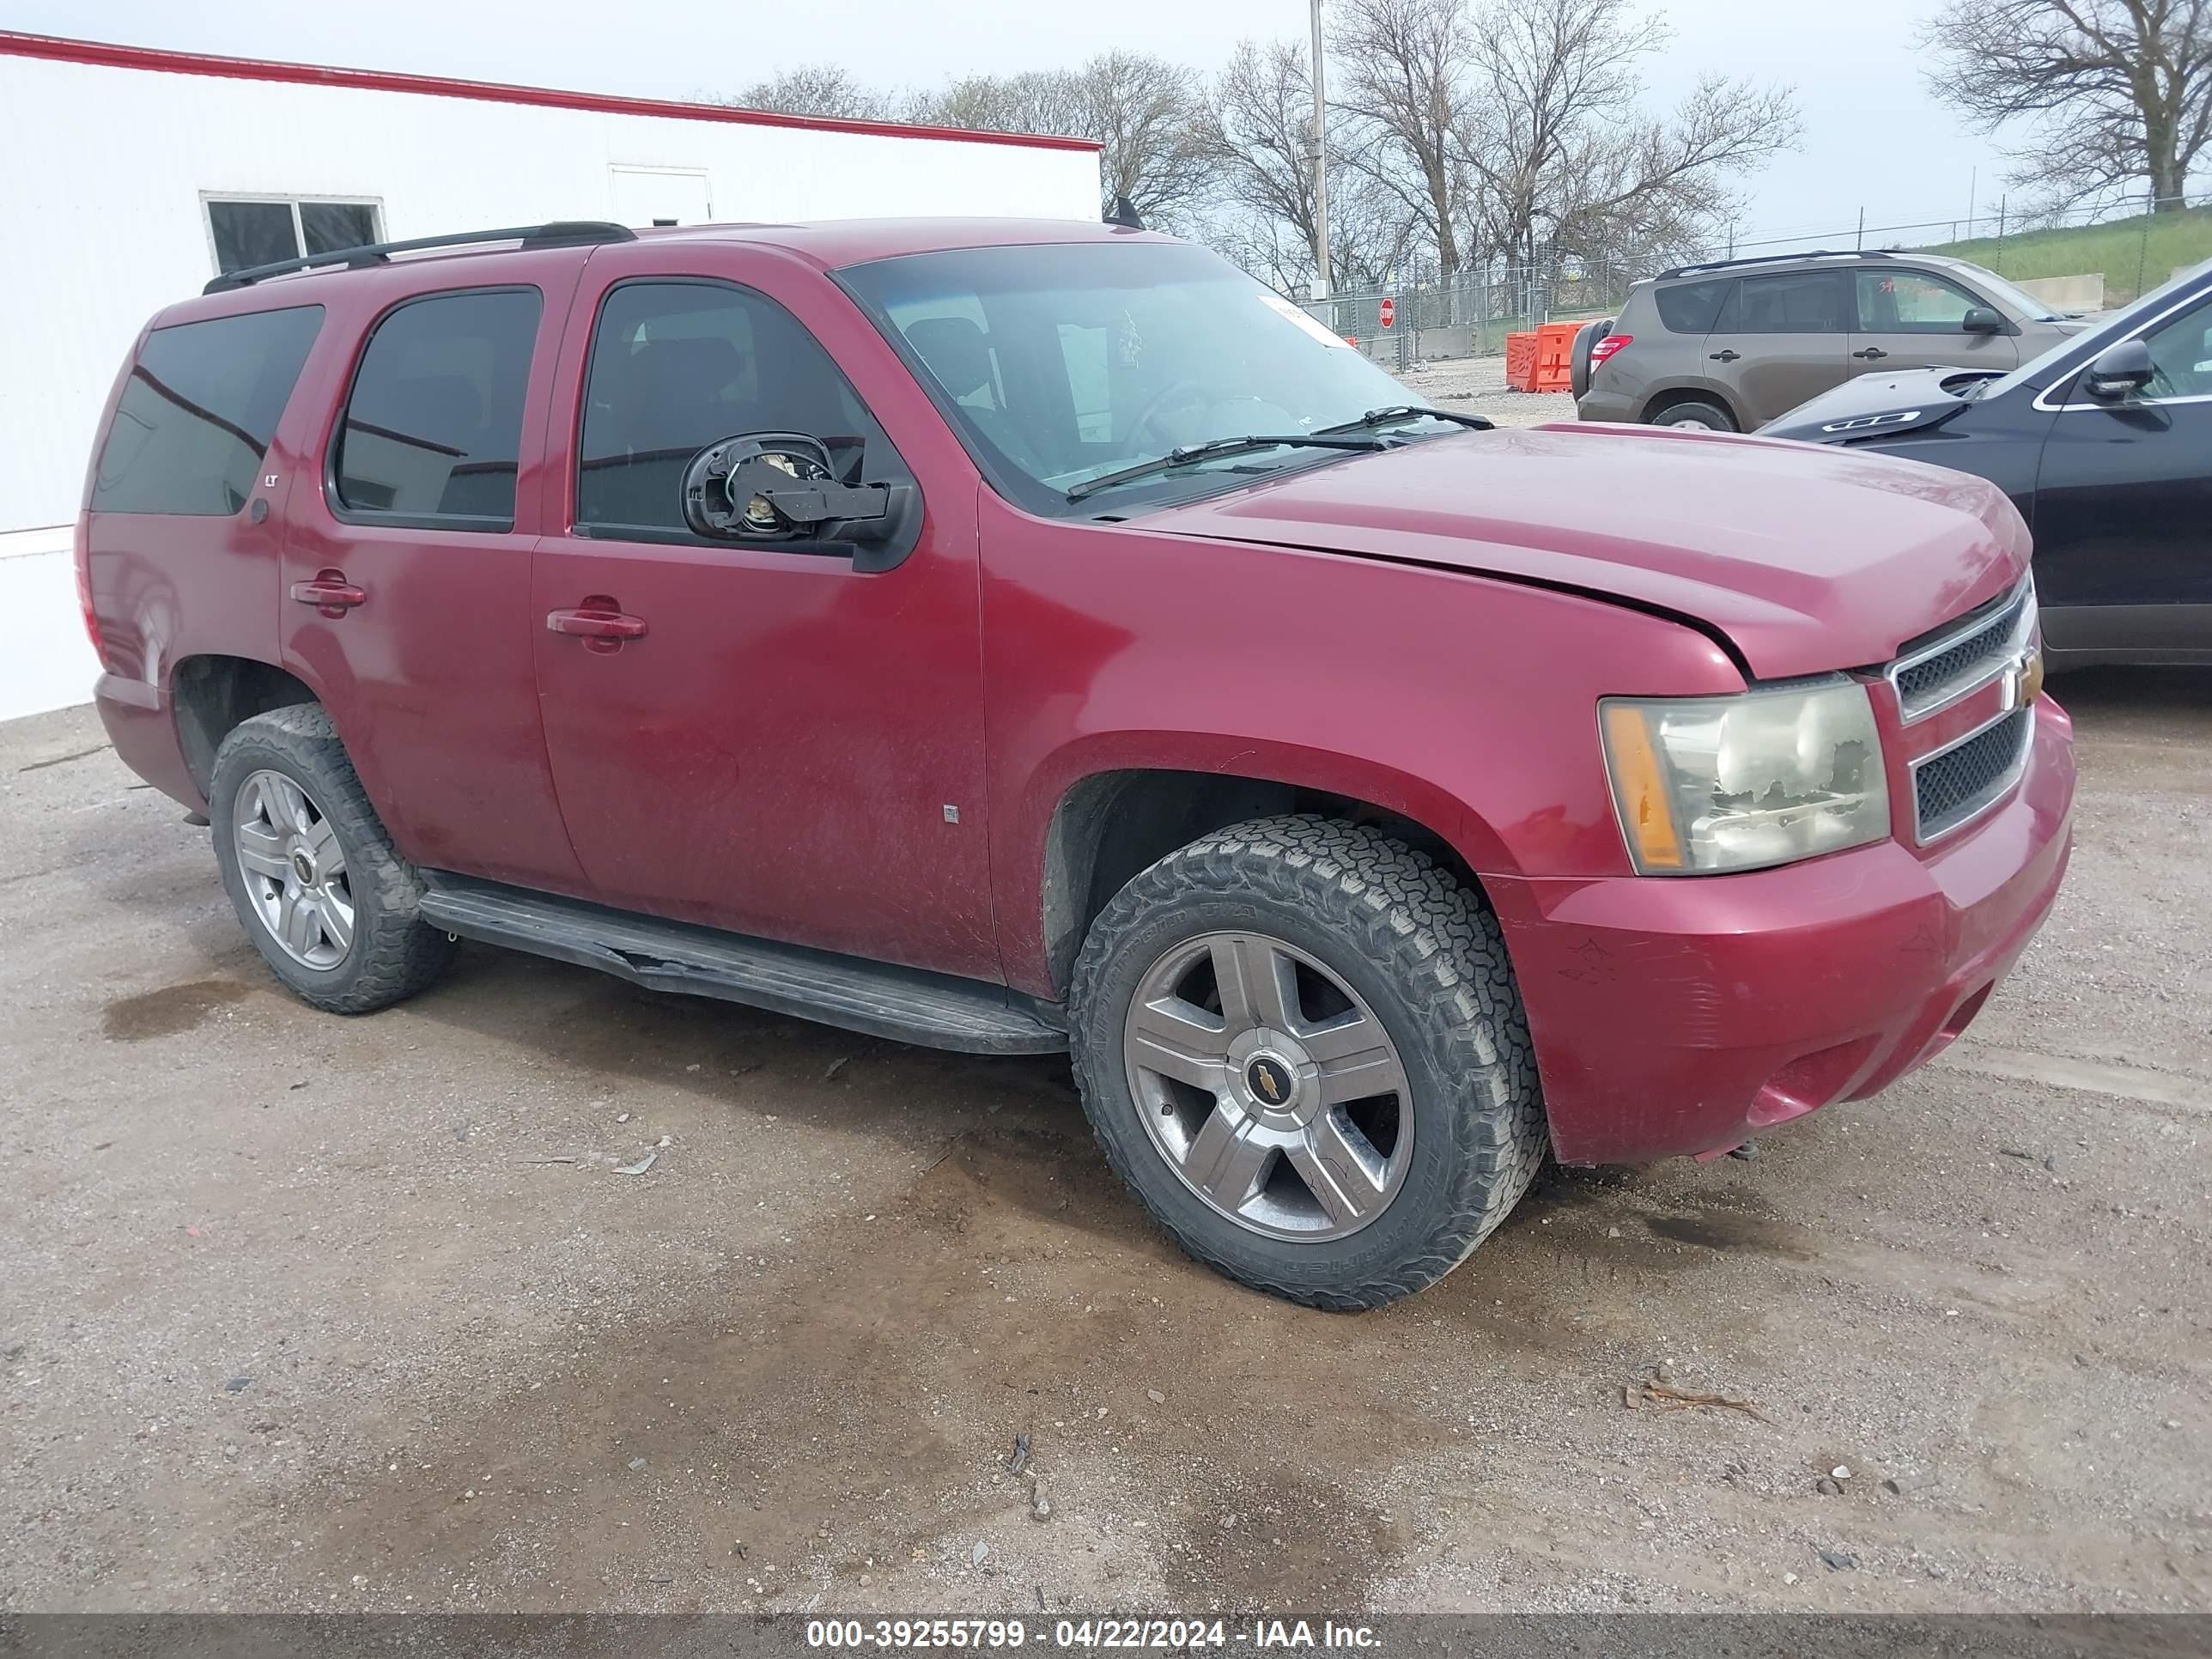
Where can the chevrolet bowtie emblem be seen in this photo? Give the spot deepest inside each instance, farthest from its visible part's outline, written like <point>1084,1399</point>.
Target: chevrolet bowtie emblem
<point>2023,679</point>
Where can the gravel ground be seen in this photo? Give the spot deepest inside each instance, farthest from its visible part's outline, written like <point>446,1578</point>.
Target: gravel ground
<point>1477,385</point>
<point>305,1313</point>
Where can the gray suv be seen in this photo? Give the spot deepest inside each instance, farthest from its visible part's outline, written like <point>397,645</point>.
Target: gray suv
<point>1728,346</point>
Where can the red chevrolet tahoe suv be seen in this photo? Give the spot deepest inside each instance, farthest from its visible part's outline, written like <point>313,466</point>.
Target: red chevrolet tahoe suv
<point>1016,637</point>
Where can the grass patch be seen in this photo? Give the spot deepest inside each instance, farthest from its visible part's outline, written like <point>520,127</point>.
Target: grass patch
<point>2136,255</point>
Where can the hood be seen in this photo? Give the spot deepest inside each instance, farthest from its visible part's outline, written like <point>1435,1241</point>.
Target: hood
<point>1866,405</point>
<point>1807,559</point>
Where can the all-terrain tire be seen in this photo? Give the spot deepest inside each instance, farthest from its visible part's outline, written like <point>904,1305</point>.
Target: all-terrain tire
<point>393,952</point>
<point>1427,958</point>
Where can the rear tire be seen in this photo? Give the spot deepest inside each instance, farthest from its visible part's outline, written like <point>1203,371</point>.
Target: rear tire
<point>1695,413</point>
<point>333,908</point>
<point>1369,931</point>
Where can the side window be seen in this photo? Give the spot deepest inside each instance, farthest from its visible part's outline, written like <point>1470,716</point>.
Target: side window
<point>434,424</point>
<point>1910,302</point>
<point>1805,302</point>
<point>2181,354</point>
<point>1692,307</point>
<point>675,366</point>
<point>198,410</point>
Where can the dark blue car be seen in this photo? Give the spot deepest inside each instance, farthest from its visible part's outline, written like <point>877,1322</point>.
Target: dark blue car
<point>2104,443</point>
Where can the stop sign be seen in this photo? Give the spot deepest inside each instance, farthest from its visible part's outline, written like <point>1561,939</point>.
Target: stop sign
<point>1389,312</point>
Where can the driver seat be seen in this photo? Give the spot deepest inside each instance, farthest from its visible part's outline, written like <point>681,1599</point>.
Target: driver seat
<point>958,354</point>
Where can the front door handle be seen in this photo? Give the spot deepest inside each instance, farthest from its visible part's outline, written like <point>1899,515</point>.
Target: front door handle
<point>1726,356</point>
<point>1870,353</point>
<point>600,622</point>
<point>330,592</point>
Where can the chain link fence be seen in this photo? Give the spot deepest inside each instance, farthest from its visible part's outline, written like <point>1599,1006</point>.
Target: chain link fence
<point>1471,315</point>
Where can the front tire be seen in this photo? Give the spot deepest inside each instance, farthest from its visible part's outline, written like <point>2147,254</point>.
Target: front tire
<point>333,908</point>
<point>1299,1043</point>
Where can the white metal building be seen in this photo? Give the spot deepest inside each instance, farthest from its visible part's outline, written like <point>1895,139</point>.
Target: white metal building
<point>132,176</point>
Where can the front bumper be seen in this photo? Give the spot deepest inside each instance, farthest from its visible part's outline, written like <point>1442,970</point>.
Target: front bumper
<point>1683,1014</point>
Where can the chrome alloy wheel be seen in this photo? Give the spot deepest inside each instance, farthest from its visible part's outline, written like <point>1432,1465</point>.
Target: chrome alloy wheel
<point>1268,1087</point>
<point>294,870</point>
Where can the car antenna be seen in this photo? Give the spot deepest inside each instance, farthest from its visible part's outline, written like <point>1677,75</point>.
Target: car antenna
<point>1124,214</point>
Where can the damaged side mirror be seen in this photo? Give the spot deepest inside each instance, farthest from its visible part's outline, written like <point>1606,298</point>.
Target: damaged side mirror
<point>785,487</point>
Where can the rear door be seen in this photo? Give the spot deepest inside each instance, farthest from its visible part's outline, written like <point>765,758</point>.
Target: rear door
<point>1908,319</point>
<point>1781,338</point>
<point>405,598</point>
<point>2124,505</point>
<point>777,743</point>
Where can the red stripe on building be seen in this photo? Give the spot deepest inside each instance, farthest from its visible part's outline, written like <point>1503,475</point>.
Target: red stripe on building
<point>108,56</point>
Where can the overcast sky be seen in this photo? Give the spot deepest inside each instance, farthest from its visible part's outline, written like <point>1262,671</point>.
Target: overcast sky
<point>1874,139</point>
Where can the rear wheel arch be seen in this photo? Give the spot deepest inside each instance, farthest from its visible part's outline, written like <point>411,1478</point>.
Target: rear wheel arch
<point>1109,826</point>
<point>1660,402</point>
<point>211,696</point>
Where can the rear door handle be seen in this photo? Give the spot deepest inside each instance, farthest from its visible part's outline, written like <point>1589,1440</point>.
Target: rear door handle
<point>1726,356</point>
<point>600,622</point>
<point>330,592</point>
<point>1871,353</point>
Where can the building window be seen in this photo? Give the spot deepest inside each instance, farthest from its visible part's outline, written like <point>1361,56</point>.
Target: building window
<point>261,230</point>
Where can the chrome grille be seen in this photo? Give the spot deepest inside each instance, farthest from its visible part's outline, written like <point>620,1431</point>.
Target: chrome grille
<point>1961,659</point>
<point>1954,785</point>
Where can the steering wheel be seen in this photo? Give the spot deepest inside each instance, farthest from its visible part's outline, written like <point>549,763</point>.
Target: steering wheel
<point>1154,405</point>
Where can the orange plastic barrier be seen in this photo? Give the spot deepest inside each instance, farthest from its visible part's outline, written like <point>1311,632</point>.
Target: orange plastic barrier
<point>1521,362</point>
<point>1555,348</point>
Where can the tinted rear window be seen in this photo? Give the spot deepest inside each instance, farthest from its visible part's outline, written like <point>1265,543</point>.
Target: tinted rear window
<point>1807,302</point>
<point>1690,307</point>
<point>435,423</point>
<point>198,411</point>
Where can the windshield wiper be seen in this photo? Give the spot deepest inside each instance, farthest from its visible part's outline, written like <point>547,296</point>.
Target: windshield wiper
<point>1217,448</point>
<point>1399,414</point>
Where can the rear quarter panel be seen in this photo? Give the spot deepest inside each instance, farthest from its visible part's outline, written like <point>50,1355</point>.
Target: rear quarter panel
<point>1466,704</point>
<point>167,586</point>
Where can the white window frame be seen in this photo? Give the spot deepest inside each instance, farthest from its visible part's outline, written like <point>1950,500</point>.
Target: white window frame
<point>277,198</point>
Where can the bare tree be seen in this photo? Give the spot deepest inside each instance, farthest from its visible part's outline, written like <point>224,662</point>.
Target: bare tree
<point>1149,113</point>
<point>827,89</point>
<point>2122,89</point>
<point>1260,155</point>
<point>1402,69</point>
<point>1566,158</point>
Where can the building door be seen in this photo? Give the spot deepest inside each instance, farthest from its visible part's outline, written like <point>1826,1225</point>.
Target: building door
<point>660,196</point>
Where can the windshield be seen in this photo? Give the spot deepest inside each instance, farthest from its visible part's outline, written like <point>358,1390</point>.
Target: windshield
<point>2081,348</point>
<point>1063,363</point>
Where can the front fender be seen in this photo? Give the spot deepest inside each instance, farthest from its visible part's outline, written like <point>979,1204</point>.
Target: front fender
<point>1467,704</point>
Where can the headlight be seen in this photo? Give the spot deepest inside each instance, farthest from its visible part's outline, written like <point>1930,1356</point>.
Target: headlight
<point>1739,782</point>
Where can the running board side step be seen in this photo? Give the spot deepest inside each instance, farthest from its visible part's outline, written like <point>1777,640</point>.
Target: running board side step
<point>907,1005</point>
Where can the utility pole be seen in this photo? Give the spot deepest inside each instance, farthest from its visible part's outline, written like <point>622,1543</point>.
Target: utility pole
<point>1320,164</point>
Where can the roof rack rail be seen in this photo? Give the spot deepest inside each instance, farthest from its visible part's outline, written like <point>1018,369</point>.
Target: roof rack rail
<point>562,232</point>
<point>1777,259</point>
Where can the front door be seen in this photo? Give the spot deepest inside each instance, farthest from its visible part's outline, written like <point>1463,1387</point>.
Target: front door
<point>1917,319</point>
<point>2124,505</point>
<point>771,740</point>
<point>1780,340</point>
